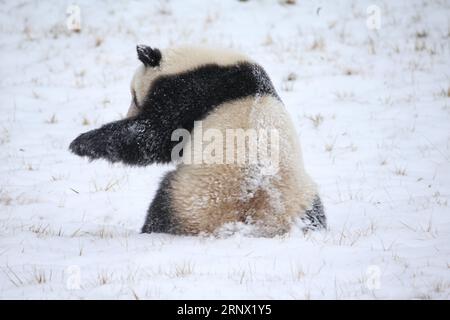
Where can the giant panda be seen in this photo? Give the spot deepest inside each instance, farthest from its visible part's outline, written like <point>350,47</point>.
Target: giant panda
<point>175,88</point>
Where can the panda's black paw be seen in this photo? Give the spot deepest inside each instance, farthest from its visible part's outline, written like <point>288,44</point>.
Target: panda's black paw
<point>315,218</point>
<point>87,145</point>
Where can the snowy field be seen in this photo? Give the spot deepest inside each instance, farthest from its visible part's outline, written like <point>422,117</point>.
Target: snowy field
<point>371,106</point>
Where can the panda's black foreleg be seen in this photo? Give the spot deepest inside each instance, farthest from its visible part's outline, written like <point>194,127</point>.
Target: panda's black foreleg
<point>131,141</point>
<point>160,215</point>
<point>315,218</point>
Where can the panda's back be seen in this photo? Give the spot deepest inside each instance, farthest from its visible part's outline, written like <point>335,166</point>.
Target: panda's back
<point>207,196</point>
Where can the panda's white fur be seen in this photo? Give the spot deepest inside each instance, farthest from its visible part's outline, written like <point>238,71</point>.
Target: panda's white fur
<point>205,197</point>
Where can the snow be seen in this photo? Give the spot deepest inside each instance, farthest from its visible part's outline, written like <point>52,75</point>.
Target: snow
<point>371,106</point>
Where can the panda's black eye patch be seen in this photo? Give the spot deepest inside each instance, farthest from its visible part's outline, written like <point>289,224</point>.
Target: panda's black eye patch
<point>133,94</point>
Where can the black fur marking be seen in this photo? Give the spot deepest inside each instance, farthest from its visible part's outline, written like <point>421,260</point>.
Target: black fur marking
<point>173,102</point>
<point>160,217</point>
<point>148,56</point>
<point>131,141</point>
<point>315,218</point>
<point>136,104</point>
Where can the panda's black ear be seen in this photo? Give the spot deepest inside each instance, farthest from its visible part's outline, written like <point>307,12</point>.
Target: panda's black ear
<point>148,56</point>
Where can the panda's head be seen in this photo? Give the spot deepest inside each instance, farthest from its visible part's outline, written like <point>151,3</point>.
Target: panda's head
<point>156,63</point>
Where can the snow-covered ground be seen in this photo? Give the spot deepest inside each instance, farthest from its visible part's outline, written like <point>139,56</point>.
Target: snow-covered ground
<point>372,107</point>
